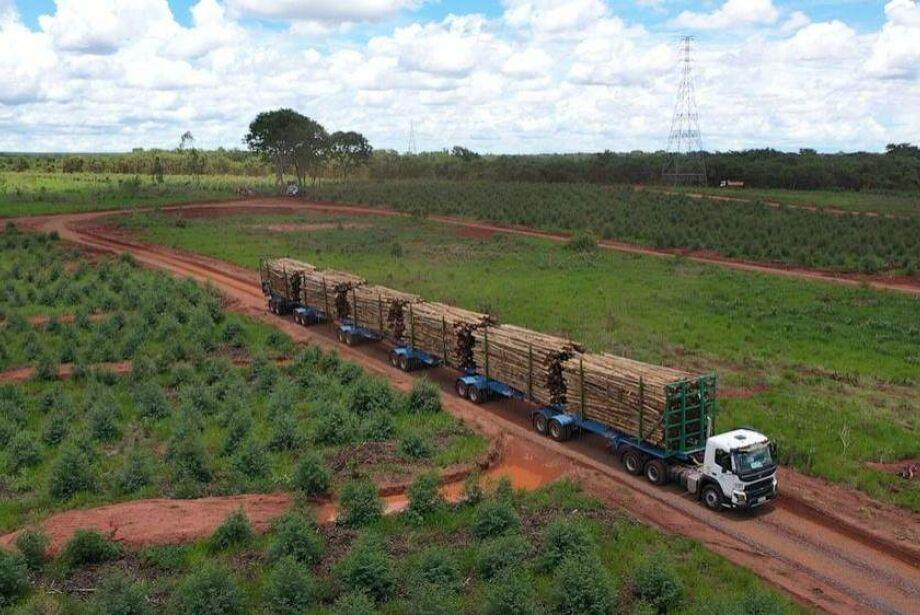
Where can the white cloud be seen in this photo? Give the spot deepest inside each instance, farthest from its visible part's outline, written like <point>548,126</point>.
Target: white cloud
<point>545,75</point>
<point>896,52</point>
<point>732,14</point>
<point>323,11</point>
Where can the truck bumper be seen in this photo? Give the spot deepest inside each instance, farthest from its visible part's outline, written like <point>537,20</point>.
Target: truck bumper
<point>739,500</point>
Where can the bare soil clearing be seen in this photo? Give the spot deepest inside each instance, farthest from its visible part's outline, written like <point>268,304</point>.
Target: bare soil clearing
<point>829,547</point>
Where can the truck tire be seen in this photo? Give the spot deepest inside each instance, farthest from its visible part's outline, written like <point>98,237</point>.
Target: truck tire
<point>540,423</point>
<point>461,388</point>
<point>271,307</point>
<point>394,359</point>
<point>632,461</point>
<point>656,472</point>
<point>557,431</point>
<point>341,336</point>
<point>404,363</point>
<point>475,394</point>
<point>712,497</point>
<point>349,339</point>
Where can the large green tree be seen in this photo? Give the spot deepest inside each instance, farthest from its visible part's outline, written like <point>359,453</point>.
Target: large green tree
<point>278,135</point>
<point>349,150</point>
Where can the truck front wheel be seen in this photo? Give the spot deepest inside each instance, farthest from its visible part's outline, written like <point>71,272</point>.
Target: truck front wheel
<point>557,432</point>
<point>475,394</point>
<point>712,497</point>
<point>632,462</point>
<point>656,472</point>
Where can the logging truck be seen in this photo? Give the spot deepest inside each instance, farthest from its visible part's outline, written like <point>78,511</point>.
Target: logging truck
<point>658,421</point>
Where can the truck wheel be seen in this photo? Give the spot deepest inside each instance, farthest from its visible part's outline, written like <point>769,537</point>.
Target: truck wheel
<point>656,472</point>
<point>632,462</point>
<point>539,423</point>
<point>475,394</point>
<point>712,497</point>
<point>461,388</point>
<point>394,359</point>
<point>271,307</point>
<point>557,432</point>
<point>349,339</point>
<point>341,336</point>
<point>404,363</point>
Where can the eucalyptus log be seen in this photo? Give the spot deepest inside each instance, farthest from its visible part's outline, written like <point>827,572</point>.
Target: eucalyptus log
<point>325,290</point>
<point>382,309</point>
<point>444,331</point>
<point>529,361</point>
<point>284,276</point>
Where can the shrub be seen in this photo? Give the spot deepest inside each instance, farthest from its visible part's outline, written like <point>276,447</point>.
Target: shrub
<point>582,242</point>
<point>188,457</point>
<point>281,401</point>
<point>334,426</point>
<point>511,594</point>
<point>581,586</point>
<point>355,603</point>
<point>298,538</point>
<point>238,427</point>
<point>472,488</point>
<point>369,568</point>
<point>137,472</point>
<point>289,588</point>
<point>233,532</point>
<point>425,396</point>
<point>349,372</point>
<point>360,503</point>
<point>437,566</point>
<point>14,578</point>
<point>33,544</point>
<point>369,395</point>
<point>210,591</point>
<point>251,460</point>
<point>286,434</point>
<point>497,555</point>
<point>56,429</point>
<point>495,517</point>
<point>564,538</point>
<point>378,427</point>
<point>24,451</point>
<point>312,477</point>
<point>151,401</point>
<point>102,422</point>
<point>658,585</point>
<point>71,473</point>
<point>233,334</point>
<point>433,600</point>
<point>263,373</point>
<point>119,595</point>
<point>415,446</point>
<point>424,497</point>
<point>88,547</point>
<point>46,368</point>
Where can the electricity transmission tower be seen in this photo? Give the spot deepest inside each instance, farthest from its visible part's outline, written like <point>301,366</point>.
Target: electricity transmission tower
<point>413,146</point>
<point>684,164</point>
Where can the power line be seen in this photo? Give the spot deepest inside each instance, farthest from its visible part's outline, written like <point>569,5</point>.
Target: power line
<point>685,164</point>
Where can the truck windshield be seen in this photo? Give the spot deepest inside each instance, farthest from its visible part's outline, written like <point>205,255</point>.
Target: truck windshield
<point>754,460</point>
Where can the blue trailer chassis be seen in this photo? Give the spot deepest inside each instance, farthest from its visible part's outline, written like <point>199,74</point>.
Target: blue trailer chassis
<point>350,334</point>
<point>560,425</point>
<point>478,388</point>
<point>407,357</point>
<point>307,316</point>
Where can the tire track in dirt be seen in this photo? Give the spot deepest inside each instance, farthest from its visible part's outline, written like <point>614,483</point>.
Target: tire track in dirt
<point>838,568</point>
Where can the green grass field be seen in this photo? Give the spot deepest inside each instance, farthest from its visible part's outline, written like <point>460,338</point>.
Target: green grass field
<point>830,372</point>
<point>893,203</point>
<point>34,193</point>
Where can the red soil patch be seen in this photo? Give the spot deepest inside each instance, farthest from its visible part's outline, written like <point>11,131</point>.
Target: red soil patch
<point>475,232</point>
<point>908,469</point>
<point>65,371</point>
<point>742,392</point>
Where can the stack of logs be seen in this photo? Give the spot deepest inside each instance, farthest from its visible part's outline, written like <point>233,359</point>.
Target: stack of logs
<point>328,291</point>
<point>529,361</point>
<point>284,276</point>
<point>445,331</point>
<point>382,309</point>
<point>612,394</point>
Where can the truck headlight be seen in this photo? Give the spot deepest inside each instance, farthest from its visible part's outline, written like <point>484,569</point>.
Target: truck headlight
<point>740,496</point>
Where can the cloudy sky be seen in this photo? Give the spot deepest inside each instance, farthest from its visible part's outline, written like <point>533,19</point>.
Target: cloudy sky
<point>495,76</point>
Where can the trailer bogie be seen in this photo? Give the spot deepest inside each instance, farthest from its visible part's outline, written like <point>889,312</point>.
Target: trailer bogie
<point>351,335</point>
<point>307,316</point>
<point>408,358</point>
<point>480,389</point>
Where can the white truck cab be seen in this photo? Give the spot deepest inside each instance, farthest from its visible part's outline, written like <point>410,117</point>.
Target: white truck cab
<point>738,470</point>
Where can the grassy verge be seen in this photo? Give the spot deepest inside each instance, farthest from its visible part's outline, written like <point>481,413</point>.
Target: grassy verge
<point>830,372</point>
<point>207,408</point>
<point>553,551</point>
<point>34,193</point>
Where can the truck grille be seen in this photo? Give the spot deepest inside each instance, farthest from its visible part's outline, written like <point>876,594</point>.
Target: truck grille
<point>758,489</point>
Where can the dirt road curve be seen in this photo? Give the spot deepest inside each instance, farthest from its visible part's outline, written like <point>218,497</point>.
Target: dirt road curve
<point>829,547</point>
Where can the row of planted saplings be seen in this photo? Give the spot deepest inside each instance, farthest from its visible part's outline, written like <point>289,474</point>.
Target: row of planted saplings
<point>548,370</point>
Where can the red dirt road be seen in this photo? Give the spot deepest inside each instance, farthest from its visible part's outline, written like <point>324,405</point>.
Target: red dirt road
<point>829,547</point>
